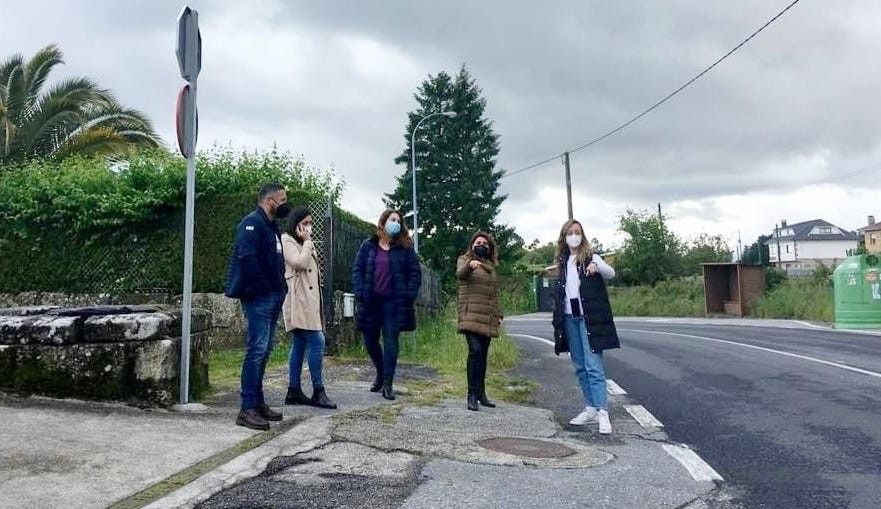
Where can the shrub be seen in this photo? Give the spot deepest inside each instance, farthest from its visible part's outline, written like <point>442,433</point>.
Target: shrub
<point>85,194</point>
<point>517,295</point>
<point>674,297</point>
<point>799,298</point>
<point>85,226</point>
<point>774,278</point>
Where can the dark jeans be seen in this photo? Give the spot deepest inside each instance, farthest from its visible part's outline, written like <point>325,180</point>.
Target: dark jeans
<point>478,352</point>
<point>385,360</point>
<point>261,314</point>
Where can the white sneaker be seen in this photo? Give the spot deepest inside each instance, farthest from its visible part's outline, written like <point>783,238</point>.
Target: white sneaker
<point>605,424</point>
<point>588,414</point>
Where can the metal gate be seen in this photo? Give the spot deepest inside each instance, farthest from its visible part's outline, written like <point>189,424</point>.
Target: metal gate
<point>545,292</point>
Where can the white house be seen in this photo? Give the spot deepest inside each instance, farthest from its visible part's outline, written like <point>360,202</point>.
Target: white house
<point>804,246</point>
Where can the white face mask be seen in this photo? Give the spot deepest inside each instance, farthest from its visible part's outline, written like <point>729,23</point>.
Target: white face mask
<point>308,229</point>
<point>573,241</point>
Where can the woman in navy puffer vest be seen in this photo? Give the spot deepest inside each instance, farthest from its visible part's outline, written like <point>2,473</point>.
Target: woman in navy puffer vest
<point>385,280</point>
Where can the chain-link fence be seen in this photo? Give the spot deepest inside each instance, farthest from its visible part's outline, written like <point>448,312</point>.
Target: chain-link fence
<point>147,258</point>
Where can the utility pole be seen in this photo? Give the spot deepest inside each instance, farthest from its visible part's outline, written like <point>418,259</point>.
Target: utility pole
<point>568,183</point>
<point>739,247</point>
<point>777,235</point>
<point>660,218</point>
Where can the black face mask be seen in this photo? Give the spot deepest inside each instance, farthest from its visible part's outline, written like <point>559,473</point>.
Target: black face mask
<point>482,251</point>
<point>282,211</point>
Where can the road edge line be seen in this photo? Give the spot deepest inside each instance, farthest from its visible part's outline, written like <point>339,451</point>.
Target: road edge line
<point>641,415</point>
<point>699,469</point>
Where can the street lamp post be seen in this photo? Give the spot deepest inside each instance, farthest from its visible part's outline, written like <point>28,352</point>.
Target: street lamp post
<point>448,114</point>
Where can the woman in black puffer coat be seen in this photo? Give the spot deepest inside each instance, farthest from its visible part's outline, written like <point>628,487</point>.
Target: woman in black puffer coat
<point>386,279</point>
<point>583,322</point>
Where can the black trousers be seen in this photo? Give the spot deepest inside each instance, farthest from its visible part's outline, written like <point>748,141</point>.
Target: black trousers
<point>478,351</point>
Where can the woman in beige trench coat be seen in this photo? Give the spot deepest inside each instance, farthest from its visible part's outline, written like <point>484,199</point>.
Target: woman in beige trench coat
<point>302,310</point>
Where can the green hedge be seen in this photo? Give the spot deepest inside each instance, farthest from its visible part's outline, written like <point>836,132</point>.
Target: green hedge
<point>85,194</point>
<point>139,257</point>
<point>83,226</point>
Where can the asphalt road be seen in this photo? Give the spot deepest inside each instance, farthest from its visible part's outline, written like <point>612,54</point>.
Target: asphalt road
<point>789,417</point>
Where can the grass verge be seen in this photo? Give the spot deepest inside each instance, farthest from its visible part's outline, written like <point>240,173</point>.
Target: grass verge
<point>225,365</point>
<point>675,297</point>
<point>437,344</point>
<point>798,298</point>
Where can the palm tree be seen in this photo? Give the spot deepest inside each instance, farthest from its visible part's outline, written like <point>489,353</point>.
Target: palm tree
<point>74,116</point>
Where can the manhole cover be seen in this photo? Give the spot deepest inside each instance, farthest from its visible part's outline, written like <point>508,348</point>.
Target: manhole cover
<point>527,447</point>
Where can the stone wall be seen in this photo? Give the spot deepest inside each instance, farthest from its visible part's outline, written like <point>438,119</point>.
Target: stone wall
<point>227,318</point>
<point>121,353</point>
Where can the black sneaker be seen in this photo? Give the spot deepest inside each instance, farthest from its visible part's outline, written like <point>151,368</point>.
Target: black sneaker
<point>252,419</point>
<point>268,413</point>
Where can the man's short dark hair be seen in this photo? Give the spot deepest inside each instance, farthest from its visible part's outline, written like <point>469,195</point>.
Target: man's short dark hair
<point>267,189</point>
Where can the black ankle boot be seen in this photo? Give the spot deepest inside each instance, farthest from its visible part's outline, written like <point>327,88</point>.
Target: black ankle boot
<point>387,391</point>
<point>268,413</point>
<point>472,402</point>
<point>481,396</point>
<point>377,383</point>
<point>296,397</point>
<point>320,399</point>
<point>252,419</point>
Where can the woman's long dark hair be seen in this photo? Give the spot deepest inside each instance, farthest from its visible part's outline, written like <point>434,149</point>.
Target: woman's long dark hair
<point>296,217</point>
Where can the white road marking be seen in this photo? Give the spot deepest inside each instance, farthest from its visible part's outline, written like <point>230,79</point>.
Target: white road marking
<point>763,349</point>
<point>613,388</point>
<point>698,468</point>
<point>777,324</point>
<point>808,324</point>
<point>845,331</point>
<point>643,416</point>
<point>536,338</point>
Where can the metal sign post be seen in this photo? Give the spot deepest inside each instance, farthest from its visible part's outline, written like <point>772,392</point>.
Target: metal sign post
<point>189,59</point>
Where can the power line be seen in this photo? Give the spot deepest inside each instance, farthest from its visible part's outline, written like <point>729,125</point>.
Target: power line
<point>659,103</point>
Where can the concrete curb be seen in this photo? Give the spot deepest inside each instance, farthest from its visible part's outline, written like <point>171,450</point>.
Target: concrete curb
<point>306,436</point>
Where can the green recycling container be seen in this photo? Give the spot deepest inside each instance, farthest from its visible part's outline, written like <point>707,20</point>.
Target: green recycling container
<point>858,293</point>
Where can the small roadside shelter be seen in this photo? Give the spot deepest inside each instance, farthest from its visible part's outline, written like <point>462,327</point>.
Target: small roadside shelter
<point>732,288</point>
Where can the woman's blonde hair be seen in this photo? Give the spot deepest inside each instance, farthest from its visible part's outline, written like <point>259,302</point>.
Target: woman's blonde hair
<point>583,252</point>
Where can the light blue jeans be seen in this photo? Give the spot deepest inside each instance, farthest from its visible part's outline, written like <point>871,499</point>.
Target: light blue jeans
<point>589,367</point>
<point>300,340</point>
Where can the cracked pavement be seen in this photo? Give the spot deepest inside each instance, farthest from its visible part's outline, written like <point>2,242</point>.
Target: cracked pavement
<point>402,455</point>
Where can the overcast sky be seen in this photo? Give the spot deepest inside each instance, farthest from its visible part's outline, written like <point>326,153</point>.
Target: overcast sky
<point>789,127</point>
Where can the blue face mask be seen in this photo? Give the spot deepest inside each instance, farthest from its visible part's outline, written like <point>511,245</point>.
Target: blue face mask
<point>393,228</point>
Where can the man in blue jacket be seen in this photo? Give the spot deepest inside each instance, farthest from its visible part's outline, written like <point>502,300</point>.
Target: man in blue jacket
<point>256,277</point>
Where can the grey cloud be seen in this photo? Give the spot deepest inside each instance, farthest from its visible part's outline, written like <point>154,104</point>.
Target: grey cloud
<point>555,74</point>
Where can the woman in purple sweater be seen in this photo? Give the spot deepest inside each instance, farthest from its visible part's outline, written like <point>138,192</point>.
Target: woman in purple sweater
<point>385,280</point>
